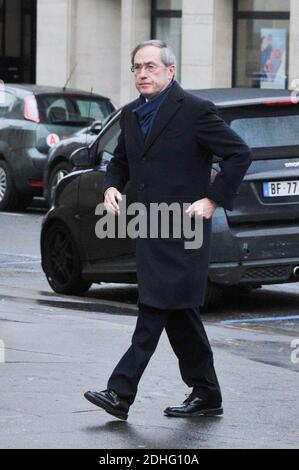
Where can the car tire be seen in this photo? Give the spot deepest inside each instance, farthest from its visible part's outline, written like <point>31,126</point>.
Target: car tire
<point>213,296</point>
<point>57,173</point>
<point>10,198</point>
<point>61,261</point>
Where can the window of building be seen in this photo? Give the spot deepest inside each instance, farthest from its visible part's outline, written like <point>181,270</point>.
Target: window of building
<point>17,40</point>
<point>261,40</point>
<point>168,5</point>
<point>167,26</point>
<point>264,5</point>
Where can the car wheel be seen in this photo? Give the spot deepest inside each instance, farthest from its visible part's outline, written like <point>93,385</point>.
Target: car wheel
<point>61,261</point>
<point>57,173</point>
<point>10,198</point>
<point>213,296</point>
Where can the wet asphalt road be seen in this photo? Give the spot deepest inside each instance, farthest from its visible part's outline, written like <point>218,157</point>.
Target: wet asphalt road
<point>58,346</point>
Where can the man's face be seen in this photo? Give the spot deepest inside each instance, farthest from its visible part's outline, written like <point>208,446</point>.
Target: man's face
<point>153,76</point>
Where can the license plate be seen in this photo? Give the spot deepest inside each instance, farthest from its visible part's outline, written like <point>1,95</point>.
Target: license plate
<point>281,188</point>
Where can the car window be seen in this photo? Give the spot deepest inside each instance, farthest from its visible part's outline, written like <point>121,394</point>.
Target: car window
<point>17,109</point>
<point>59,110</point>
<point>91,108</point>
<point>107,144</point>
<point>73,109</point>
<point>6,103</point>
<point>276,131</point>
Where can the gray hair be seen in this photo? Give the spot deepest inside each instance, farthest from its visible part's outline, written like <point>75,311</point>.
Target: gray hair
<point>167,55</point>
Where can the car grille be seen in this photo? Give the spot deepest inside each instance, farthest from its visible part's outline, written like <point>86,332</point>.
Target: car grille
<point>267,272</point>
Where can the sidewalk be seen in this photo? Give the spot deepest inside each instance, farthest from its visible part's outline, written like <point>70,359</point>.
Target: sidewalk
<point>52,356</point>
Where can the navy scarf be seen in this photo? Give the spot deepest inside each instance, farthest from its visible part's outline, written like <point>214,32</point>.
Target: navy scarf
<point>147,110</point>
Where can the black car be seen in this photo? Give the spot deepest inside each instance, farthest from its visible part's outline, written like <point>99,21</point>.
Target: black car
<point>59,162</point>
<point>257,243</point>
<point>32,120</point>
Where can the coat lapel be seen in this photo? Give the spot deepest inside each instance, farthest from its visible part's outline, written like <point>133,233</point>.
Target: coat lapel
<point>168,108</point>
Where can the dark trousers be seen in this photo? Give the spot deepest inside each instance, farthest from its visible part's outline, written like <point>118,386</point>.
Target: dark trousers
<point>188,340</point>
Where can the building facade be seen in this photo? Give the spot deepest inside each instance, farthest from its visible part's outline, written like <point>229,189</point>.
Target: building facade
<point>87,43</point>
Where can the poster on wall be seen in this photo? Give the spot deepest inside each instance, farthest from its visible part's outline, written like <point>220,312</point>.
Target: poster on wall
<point>273,58</point>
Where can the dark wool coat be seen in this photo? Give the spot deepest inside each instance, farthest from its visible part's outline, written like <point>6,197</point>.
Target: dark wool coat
<point>173,164</point>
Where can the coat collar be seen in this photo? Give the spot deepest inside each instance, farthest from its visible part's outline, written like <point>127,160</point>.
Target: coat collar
<point>169,107</point>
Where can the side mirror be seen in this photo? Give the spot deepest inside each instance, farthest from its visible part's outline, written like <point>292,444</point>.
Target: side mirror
<point>96,127</point>
<point>81,157</point>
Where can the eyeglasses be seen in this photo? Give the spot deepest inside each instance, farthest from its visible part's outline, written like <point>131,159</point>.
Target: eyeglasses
<point>136,68</point>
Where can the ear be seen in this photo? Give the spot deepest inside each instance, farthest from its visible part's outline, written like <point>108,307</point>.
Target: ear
<point>171,71</point>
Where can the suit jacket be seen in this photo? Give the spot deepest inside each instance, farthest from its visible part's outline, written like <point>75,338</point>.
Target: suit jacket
<point>174,164</point>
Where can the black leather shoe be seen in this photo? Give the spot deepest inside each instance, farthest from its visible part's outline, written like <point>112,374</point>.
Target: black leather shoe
<point>195,406</point>
<point>110,402</point>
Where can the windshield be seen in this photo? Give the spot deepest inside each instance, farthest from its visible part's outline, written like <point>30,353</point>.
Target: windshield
<point>276,131</point>
<point>74,110</point>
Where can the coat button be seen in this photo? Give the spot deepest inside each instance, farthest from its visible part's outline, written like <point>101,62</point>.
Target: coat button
<point>143,159</point>
<point>141,186</point>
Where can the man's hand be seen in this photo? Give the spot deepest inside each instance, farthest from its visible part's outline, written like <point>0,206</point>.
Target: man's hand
<point>112,196</point>
<point>203,207</point>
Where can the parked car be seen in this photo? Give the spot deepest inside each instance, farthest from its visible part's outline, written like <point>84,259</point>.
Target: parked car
<point>254,244</point>
<point>32,120</point>
<point>59,162</point>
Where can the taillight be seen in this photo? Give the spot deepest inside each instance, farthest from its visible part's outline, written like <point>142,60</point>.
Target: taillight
<point>31,110</point>
<point>281,101</point>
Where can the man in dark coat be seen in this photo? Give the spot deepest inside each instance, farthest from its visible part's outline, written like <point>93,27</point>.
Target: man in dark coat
<point>165,149</point>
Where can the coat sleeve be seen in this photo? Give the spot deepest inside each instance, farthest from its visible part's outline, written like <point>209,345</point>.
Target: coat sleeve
<point>218,138</point>
<point>117,172</point>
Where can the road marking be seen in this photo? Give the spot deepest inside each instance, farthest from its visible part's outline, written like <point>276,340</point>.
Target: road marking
<point>13,214</point>
<point>19,262</point>
<point>262,319</point>
<point>18,255</point>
